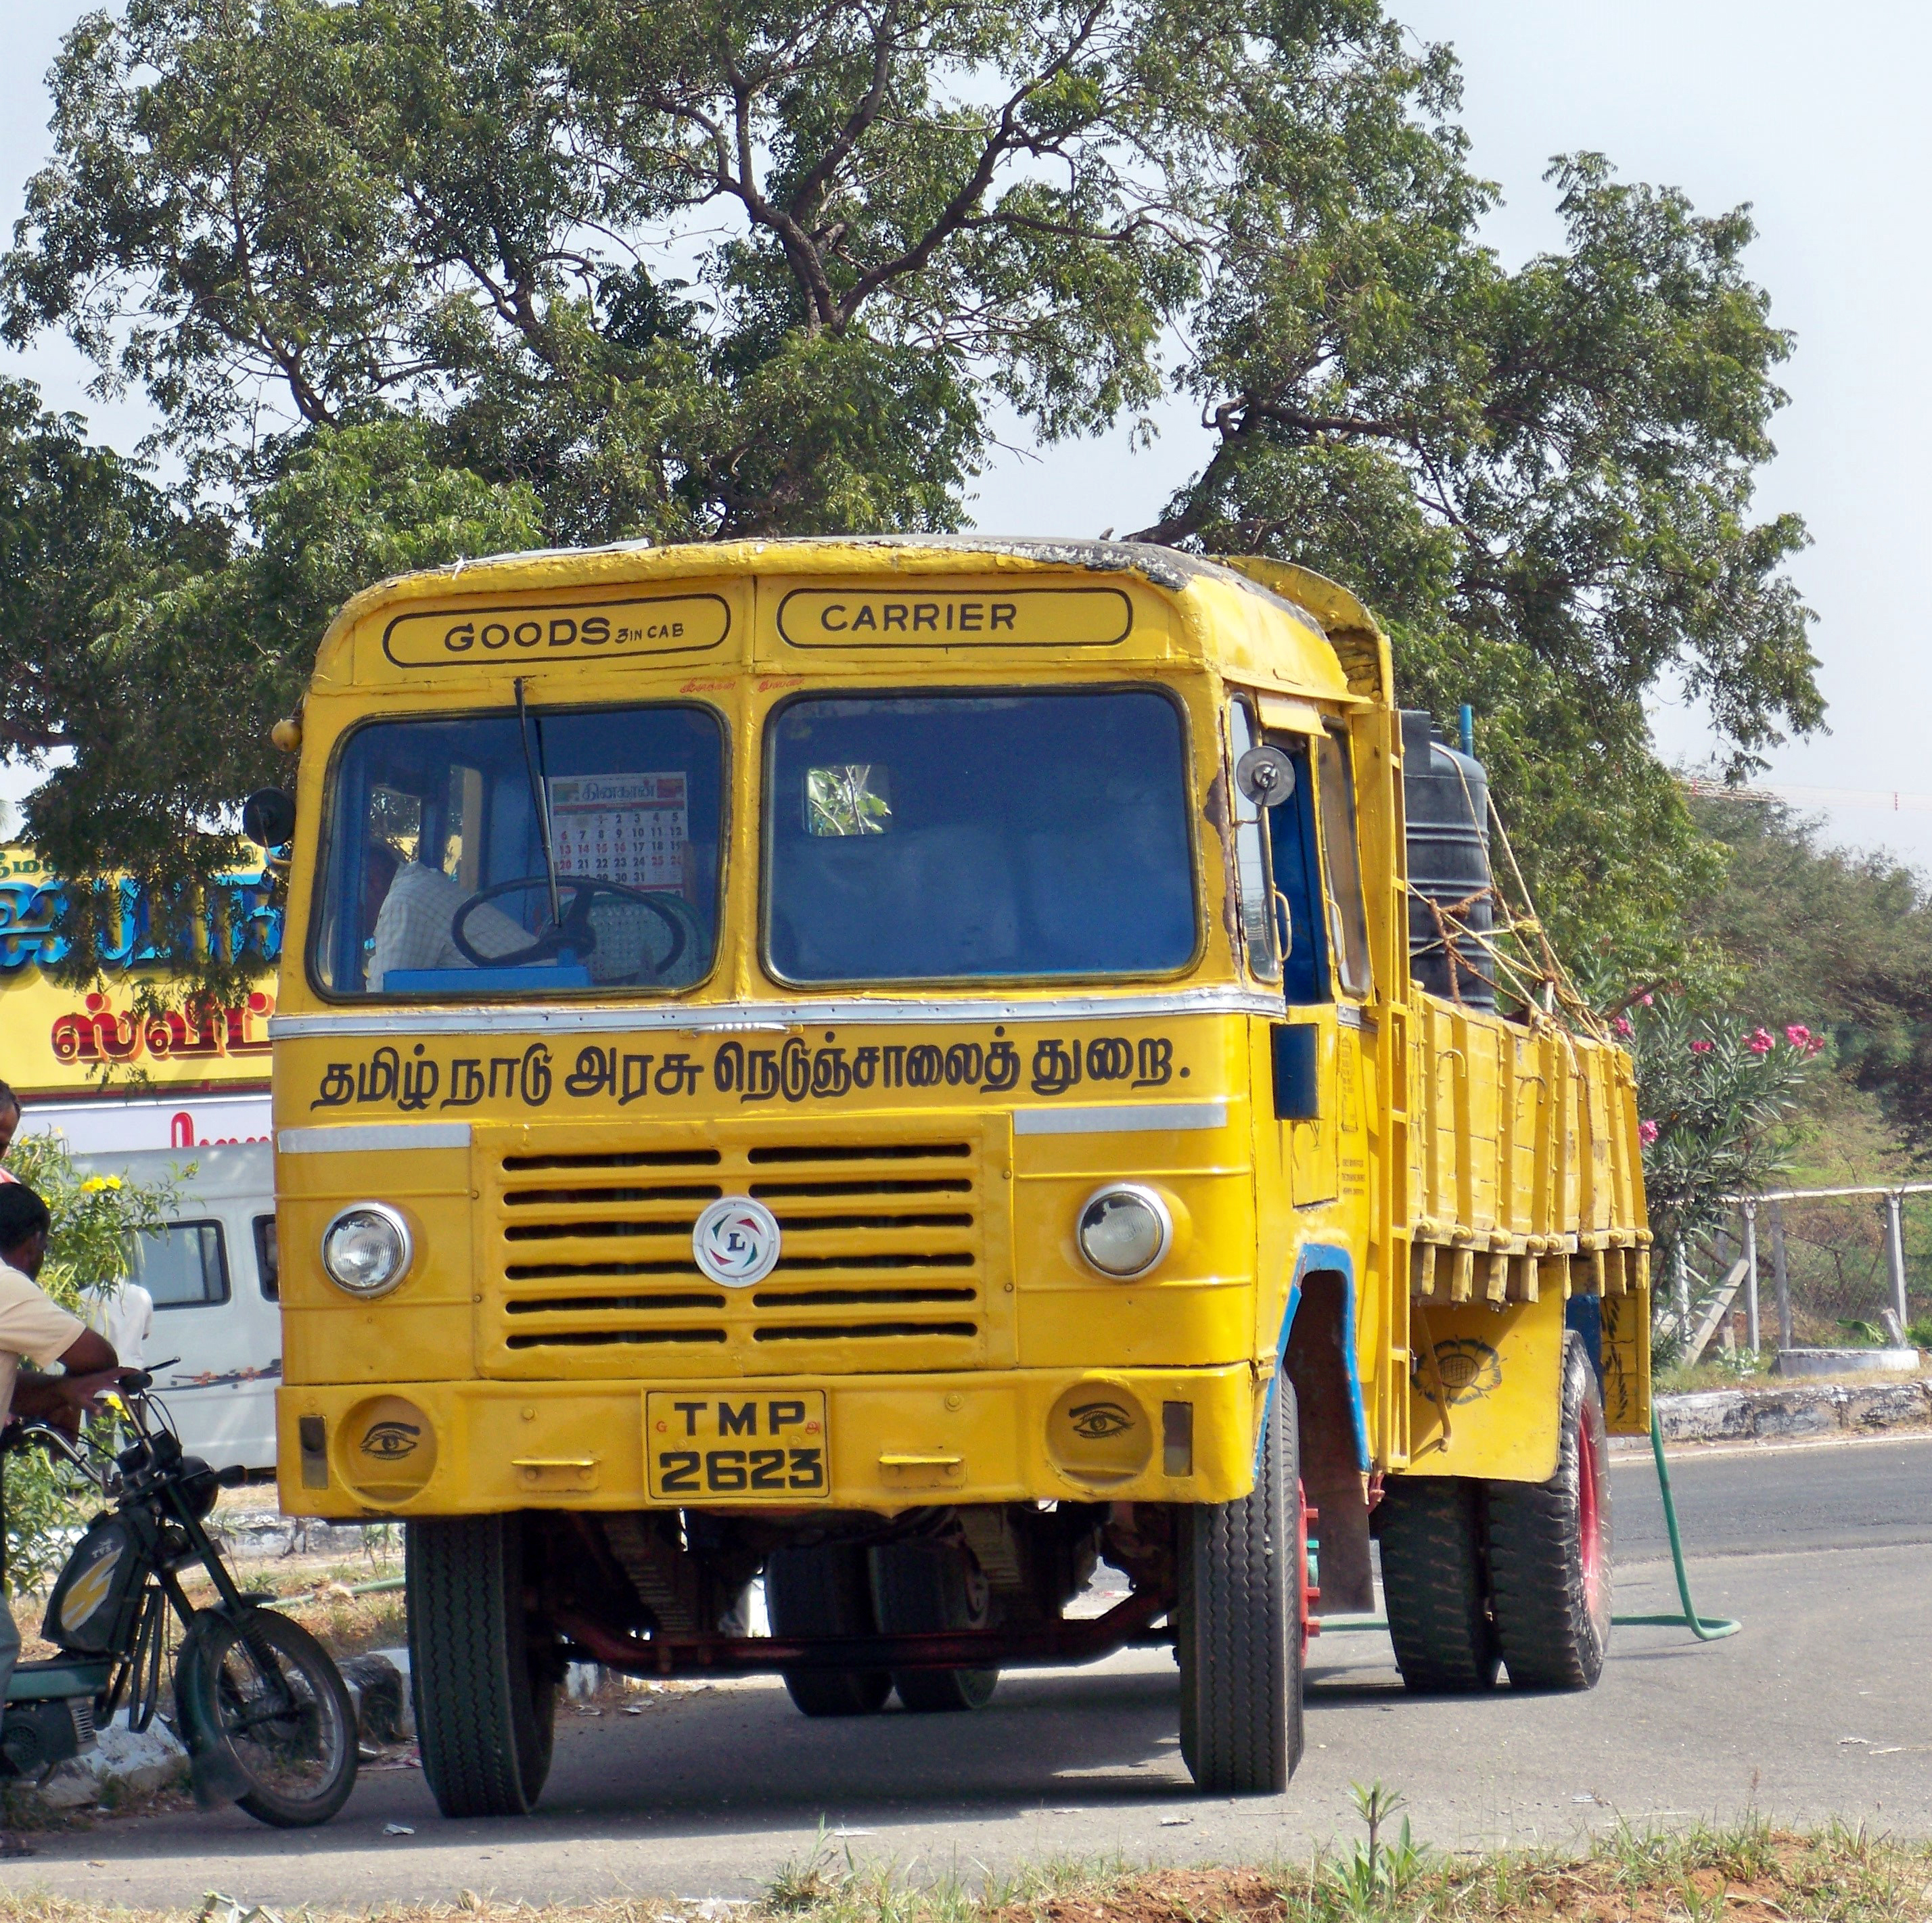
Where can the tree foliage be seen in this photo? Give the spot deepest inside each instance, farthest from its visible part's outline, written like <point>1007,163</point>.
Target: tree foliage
<point>410,279</point>
<point>1839,941</point>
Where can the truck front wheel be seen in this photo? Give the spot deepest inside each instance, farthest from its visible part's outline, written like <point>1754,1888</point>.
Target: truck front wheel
<point>1434,1584</point>
<point>483,1676</point>
<point>825,1590</point>
<point>1549,1550</point>
<point>1239,1622</point>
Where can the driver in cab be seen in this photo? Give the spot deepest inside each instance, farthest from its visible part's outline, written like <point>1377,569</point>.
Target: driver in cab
<point>413,907</point>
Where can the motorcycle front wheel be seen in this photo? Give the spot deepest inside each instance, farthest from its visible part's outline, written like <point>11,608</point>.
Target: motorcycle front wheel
<point>265,1696</point>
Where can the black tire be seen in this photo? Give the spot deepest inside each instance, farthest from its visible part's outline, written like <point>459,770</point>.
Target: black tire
<point>483,1677</point>
<point>826,1590</point>
<point>1434,1586</point>
<point>1549,1550</point>
<point>919,1589</point>
<point>265,1696</point>
<point>1239,1632</point>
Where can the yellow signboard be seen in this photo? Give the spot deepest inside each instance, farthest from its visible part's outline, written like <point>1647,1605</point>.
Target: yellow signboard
<point>480,636</point>
<point>927,616</point>
<point>56,1040</point>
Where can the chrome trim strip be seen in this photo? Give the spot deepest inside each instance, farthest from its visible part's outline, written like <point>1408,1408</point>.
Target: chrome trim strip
<point>357,1136</point>
<point>727,1017</point>
<point>1127,1118</point>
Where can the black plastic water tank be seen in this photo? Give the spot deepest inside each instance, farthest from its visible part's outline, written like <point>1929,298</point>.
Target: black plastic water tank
<point>1447,798</point>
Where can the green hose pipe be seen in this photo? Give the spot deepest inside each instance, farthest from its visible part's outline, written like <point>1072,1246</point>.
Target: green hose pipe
<point>1706,1629</point>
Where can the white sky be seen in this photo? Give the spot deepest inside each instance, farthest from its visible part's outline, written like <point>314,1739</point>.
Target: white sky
<point>1809,116</point>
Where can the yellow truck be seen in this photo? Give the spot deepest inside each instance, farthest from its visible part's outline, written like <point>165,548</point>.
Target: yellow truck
<point>902,1069</point>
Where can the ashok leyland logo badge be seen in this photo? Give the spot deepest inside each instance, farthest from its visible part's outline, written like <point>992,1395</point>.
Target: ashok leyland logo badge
<point>736,1242</point>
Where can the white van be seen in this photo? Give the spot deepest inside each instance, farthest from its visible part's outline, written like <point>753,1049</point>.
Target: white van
<point>212,1274</point>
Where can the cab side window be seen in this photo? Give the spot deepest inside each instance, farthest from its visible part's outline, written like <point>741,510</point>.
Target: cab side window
<point>1348,919</point>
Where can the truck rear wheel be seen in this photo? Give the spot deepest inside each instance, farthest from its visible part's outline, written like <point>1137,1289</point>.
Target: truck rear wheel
<point>483,1677</point>
<point>1549,1550</point>
<point>920,1589</point>
<point>825,1590</point>
<point>1434,1584</point>
<point>1240,1622</point>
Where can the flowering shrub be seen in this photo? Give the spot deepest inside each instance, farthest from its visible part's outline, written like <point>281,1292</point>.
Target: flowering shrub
<point>1715,1101</point>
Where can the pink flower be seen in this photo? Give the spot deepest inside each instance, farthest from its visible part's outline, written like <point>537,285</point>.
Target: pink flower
<point>1646,1133</point>
<point>1649,1001</point>
<point>1622,1026</point>
<point>1761,1043</point>
<point>1798,1036</point>
<point>1702,1047</point>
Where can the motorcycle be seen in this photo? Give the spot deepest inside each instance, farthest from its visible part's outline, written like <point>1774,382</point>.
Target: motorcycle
<point>259,1704</point>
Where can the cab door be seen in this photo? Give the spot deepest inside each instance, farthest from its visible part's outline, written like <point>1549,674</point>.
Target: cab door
<point>1315,860</point>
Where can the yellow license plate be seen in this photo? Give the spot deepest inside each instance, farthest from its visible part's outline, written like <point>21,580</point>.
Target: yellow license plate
<point>768,1447</point>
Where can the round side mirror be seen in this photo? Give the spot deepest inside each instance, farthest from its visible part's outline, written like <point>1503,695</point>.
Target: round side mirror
<point>269,817</point>
<point>1265,776</point>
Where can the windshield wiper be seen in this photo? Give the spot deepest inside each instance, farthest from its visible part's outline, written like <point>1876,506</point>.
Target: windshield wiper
<point>539,798</point>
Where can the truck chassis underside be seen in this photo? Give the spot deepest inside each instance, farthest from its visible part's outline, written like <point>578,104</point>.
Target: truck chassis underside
<point>1132,1624</point>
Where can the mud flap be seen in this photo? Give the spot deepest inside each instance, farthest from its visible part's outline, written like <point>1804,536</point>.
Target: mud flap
<point>1320,1361</point>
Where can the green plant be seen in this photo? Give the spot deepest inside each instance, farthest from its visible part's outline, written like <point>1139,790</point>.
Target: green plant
<point>1715,1097</point>
<point>1374,1873</point>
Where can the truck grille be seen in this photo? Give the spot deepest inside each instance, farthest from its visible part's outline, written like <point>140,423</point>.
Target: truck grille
<point>590,1270</point>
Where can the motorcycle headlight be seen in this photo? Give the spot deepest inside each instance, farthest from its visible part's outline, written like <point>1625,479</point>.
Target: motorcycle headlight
<point>366,1250</point>
<point>1125,1229</point>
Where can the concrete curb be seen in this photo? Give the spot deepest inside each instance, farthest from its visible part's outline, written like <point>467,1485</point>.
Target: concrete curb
<point>126,1763</point>
<point>1743,1415</point>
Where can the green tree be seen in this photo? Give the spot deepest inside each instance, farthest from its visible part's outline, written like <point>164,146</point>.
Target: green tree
<point>729,268</point>
<point>1839,941</point>
<point>90,1249</point>
<point>200,660</point>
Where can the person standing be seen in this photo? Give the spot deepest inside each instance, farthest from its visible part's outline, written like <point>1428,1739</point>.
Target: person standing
<point>35,1328</point>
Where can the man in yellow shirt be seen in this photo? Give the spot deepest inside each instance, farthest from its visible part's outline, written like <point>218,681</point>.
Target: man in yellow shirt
<point>35,1328</point>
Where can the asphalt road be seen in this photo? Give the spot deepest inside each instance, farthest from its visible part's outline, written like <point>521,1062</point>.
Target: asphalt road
<point>1821,1707</point>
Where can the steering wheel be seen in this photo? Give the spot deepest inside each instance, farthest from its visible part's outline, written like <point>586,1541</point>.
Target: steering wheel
<point>574,932</point>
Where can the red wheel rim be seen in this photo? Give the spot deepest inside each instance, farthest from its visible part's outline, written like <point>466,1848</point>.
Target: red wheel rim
<point>1590,1524</point>
<point>1310,1594</point>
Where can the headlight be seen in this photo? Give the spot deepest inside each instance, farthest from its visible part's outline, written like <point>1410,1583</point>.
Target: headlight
<point>367,1249</point>
<point>1125,1229</point>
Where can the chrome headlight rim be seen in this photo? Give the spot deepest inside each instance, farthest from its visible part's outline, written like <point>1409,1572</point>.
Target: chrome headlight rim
<point>1147,1197</point>
<point>392,1219</point>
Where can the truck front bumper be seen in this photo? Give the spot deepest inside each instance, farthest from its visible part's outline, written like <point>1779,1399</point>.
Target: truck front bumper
<point>892,1442</point>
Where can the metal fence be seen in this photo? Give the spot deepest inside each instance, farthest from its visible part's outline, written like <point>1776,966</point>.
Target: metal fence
<point>1814,1268</point>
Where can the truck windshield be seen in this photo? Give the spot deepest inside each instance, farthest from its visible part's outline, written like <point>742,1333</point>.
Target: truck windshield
<point>435,882</point>
<point>956,835</point>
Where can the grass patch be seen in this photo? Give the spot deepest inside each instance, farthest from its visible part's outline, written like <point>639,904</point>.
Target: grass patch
<point>1748,1873</point>
<point>1751,1871</point>
<point>1745,1873</point>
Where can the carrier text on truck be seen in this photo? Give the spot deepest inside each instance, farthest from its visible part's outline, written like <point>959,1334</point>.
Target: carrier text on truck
<point>906,1067</point>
